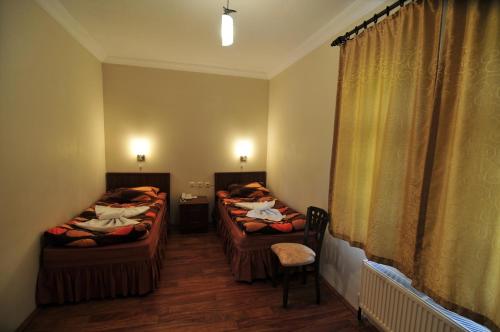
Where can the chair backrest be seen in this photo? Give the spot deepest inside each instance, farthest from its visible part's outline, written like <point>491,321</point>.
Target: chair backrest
<point>316,221</point>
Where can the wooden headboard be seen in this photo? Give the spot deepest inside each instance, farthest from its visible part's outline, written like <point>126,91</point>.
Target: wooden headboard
<point>124,180</point>
<point>223,180</point>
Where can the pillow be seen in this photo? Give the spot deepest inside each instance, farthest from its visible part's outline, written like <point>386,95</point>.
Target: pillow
<point>254,185</point>
<point>146,197</point>
<point>250,190</point>
<point>257,185</point>
<point>256,194</point>
<point>237,190</point>
<point>147,189</point>
<point>150,191</point>
<point>128,195</point>
<point>222,194</point>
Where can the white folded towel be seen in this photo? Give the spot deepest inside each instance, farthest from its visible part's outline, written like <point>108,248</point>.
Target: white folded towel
<point>261,210</point>
<point>256,205</point>
<point>267,214</point>
<point>106,212</point>
<point>110,218</point>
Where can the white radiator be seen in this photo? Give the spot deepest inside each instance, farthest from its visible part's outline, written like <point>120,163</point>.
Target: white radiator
<point>391,307</point>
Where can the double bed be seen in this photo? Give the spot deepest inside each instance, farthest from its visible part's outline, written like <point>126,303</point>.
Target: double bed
<point>74,274</point>
<point>249,254</point>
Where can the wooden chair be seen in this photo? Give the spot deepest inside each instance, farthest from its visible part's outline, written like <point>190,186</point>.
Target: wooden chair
<point>296,255</point>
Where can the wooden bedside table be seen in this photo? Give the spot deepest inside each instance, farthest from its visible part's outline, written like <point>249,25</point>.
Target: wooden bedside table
<point>194,215</point>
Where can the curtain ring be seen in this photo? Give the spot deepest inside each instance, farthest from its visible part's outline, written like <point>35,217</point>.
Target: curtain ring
<point>387,10</point>
<point>401,3</point>
<point>375,18</point>
<point>364,25</point>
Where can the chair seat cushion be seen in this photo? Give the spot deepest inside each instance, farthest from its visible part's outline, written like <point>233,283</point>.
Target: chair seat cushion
<point>293,254</point>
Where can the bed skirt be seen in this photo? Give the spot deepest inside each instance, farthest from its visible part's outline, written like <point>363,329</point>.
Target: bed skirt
<point>76,283</point>
<point>246,265</point>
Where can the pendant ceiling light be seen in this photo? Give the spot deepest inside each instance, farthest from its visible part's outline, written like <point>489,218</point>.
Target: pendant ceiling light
<point>226,26</point>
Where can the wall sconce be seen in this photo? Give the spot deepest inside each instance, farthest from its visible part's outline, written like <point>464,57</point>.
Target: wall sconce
<point>140,148</point>
<point>243,149</point>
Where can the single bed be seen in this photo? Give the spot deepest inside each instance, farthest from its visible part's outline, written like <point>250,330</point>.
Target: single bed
<point>69,275</point>
<point>249,255</point>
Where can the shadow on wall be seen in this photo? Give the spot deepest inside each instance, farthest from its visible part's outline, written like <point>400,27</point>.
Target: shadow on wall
<point>341,266</point>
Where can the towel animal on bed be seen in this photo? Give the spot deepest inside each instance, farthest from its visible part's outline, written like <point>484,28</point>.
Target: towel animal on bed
<point>110,218</point>
<point>261,210</point>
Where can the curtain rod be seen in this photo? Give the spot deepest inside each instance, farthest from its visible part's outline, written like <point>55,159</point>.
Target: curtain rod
<point>342,39</point>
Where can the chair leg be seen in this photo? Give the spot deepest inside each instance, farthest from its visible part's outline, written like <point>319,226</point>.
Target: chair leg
<point>286,280</point>
<point>316,276</point>
<point>304,275</point>
<point>275,269</point>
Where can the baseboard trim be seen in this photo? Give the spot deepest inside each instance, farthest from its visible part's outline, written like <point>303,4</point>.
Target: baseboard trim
<point>343,299</point>
<point>355,311</point>
<point>24,325</point>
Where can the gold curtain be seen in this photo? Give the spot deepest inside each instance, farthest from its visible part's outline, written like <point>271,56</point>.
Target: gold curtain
<point>460,256</point>
<point>386,93</point>
<point>416,157</point>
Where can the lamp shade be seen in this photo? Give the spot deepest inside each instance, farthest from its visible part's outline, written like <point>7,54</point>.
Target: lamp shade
<point>140,146</point>
<point>243,148</point>
<point>226,30</point>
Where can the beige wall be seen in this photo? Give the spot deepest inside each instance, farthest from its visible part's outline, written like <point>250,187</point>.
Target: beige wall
<point>192,121</point>
<point>301,114</point>
<point>51,143</point>
<point>301,109</point>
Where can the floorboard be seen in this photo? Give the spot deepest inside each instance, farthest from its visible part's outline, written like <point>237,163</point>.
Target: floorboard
<point>198,293</point>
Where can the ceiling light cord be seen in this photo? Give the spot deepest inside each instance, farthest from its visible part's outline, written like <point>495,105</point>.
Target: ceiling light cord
<point>227,10</point>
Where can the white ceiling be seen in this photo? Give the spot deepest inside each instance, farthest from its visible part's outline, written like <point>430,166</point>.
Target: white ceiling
<point>184,34</point>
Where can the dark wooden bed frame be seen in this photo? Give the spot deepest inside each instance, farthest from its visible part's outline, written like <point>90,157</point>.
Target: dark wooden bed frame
<point>123,180</point>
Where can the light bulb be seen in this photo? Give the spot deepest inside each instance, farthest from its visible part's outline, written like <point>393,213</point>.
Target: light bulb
<point>243,148</point>
<point>226,30</point>
<point>140,146</point>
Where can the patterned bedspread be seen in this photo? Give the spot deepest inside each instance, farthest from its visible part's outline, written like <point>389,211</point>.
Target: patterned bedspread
<point>293,220</point>
<point>69,234</point>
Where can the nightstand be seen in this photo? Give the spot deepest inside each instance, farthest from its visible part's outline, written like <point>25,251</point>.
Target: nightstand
<point>194,215</point>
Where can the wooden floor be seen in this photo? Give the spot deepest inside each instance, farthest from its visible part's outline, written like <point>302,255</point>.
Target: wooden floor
<point>197,293</point>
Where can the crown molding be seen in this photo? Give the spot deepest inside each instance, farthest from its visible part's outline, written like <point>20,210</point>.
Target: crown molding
<point>355,11</point>
<point>198,68</point>
<point>352,13</point>
<point>57,11</point>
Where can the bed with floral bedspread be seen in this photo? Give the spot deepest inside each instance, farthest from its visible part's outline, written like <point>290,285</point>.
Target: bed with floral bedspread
<point>72,235</point>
